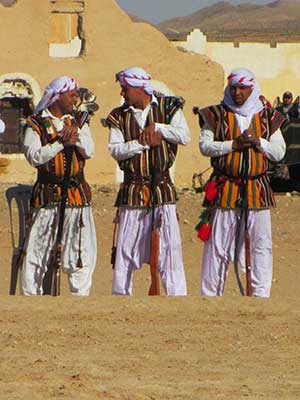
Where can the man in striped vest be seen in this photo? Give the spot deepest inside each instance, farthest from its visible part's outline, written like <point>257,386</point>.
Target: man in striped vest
<point>50,132</point>
<point>144,134</point>
<point>243,138</point>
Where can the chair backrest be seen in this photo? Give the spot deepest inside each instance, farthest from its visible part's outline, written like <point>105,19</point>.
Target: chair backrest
<point>21,194</point>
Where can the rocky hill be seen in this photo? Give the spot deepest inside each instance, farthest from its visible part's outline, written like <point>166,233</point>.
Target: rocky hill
<point>278,21</point>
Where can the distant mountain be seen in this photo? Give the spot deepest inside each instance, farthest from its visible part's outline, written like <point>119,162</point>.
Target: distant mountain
<point>278,21</point>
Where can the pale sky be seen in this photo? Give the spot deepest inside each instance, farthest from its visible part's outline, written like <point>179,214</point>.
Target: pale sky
<point>160,10</point>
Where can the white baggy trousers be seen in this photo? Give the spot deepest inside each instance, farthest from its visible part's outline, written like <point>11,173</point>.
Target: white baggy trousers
<point>40,243</point>
<point>219,251</point>
<point>133,249</point>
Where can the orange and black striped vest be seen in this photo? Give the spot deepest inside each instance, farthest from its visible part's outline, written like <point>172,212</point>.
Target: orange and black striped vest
<point>146,175</point>
<point>47,189</point>
<point>228,169</point>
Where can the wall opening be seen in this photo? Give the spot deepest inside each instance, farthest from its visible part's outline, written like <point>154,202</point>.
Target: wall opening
<point>16,104</point>
<point>8,3</point>
<point>66,37</point>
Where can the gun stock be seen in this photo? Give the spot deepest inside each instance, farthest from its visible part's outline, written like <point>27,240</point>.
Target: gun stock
<point>154,289</point>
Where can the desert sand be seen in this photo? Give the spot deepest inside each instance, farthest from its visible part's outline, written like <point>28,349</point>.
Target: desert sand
<point>143,348</point>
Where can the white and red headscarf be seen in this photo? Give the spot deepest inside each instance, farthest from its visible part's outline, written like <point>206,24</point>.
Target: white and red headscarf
<point>52,92</point>
<point>243,77</point>
<point>135,77</point>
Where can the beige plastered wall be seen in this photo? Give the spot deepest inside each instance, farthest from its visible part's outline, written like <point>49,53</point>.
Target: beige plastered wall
<point>277,69</point>
<point>113,42</point>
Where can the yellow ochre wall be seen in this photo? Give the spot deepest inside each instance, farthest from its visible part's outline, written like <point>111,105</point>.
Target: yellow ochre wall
<point>276,69</point>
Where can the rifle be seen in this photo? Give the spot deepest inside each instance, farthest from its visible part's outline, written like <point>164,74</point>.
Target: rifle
<point>244,213</point>
<point>249,291</point>
<point>246,236</point>
<point>56,252</point>
<point>55,258</point>
<point>154,289</point>
<point>198,181</point>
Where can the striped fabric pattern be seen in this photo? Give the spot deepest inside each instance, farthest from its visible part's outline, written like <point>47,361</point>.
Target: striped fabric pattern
<point>229,168</point>
<point>234,162</point>
<point>151,163</point>
<point>47,189</point>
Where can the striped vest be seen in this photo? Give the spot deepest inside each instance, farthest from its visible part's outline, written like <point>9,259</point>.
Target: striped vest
<point>230,168</point>
<point>146,175</point>
<point>47,189</point>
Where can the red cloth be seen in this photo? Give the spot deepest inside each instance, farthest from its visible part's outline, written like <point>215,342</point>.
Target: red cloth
<point>211,191</point>
<point>204,232</point>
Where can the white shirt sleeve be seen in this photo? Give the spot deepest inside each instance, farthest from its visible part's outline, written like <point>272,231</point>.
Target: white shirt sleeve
<point>85,143</point>
<point>35,153</point>
<point>177,131</point>
<point>274,148</point>
<point>211,148</point>
<point>121,150</point>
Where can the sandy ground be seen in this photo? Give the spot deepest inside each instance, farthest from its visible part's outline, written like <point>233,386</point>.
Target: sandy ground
<point>142,348</point>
